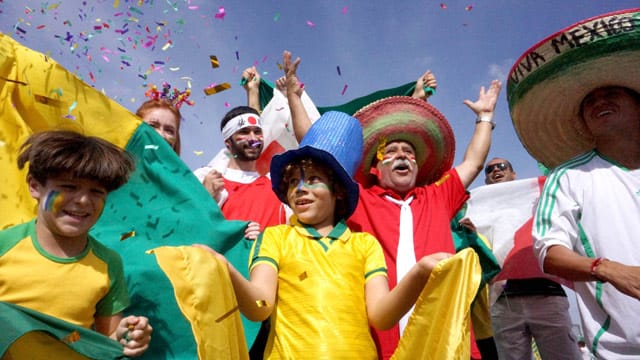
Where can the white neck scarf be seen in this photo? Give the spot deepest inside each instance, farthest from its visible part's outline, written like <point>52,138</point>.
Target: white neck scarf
<point>406,255</point>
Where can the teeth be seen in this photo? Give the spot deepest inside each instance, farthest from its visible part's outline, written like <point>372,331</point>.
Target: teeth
<point>603,113</point>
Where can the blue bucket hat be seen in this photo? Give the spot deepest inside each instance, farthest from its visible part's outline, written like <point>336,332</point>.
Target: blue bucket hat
<point>335,140</point>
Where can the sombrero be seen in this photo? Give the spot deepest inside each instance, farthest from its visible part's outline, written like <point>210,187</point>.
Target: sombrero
<point>335,139</point>
<point>548,82</point>
<point>414,121</point>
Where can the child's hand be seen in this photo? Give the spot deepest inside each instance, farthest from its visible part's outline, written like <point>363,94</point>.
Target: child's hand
<point>134,332</point>
<point>252,231</point>
<point>429,262</point>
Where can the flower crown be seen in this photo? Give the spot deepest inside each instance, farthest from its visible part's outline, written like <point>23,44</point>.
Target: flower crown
<point>175,97</point>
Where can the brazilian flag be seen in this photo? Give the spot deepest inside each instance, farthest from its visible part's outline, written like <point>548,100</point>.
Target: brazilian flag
<point>151,221</point>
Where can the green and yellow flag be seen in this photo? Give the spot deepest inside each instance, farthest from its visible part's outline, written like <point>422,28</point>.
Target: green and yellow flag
<point>150,222</point>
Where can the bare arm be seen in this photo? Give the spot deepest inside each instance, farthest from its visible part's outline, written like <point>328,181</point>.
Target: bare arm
<point>384,307</point>
<point>299,116</point>
<point>251,83</point>
<point>478,148</point>
<point>566,263</point>
<point>256,297</point>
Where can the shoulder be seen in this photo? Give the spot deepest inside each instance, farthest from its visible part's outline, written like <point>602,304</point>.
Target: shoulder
<point>13,235</point>
<point>104,253</point>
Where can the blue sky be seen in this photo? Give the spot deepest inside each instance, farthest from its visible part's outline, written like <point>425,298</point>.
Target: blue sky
<point>376,44</point>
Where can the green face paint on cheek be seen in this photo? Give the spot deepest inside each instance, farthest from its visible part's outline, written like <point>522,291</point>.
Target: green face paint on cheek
<point>316,186</point>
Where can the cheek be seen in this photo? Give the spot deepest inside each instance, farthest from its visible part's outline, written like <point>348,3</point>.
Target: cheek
<point>53,201</point>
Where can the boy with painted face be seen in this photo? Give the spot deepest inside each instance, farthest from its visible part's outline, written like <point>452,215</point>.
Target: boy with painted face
<point>321,284</point>
<point>79,280</point>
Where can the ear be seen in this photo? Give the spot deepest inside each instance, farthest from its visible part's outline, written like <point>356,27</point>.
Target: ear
<point>35,188</point>
<point>227,143</point>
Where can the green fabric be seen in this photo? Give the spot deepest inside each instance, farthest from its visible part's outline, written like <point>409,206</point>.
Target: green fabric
<point>266,93</point>
<point>17,321</point>
<point>165,204</point>
<point>465,238</point>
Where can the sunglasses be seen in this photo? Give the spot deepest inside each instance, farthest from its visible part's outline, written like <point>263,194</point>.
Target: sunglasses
<point>500,166</point>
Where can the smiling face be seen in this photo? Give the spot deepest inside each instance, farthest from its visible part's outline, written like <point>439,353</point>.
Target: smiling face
<point>610,112</point>
<point>498,170</point>
<point>67,207</point>
<point>246,144</point>
<point>310,195</point>
<point>398,169</point>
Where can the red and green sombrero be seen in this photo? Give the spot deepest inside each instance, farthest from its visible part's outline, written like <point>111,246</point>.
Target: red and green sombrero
<point>414,121</point>
<point>548,82</point>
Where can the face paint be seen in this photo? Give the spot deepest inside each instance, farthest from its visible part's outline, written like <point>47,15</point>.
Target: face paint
<point>53,201</point>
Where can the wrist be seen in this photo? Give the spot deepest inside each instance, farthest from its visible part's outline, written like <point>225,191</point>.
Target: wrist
<point>488,118</point>
<point>595,264</point>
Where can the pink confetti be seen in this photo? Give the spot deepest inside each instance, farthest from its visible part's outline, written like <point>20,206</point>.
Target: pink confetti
<point>469,7</point>
<point>344,10</point>
<point>443,6</point>
<point>344,89</point>
<point>226,104</point>
<point>221,13</point>
<point>310,24</point>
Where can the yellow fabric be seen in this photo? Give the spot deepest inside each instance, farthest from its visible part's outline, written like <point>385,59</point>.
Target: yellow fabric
<point>439,325</point>
<point>481,315</point>
<point>38,345</point>
<point>320,310</point>
<point>38,95</point>
<point>205,296</point>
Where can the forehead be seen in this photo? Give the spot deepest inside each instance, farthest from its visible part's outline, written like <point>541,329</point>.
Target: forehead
<point>249,129</point>
<point>399,144</point>
<point>496,161</point>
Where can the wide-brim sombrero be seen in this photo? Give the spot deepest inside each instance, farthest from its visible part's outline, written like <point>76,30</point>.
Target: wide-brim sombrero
<point>549,81</point>
<point>414,121</point>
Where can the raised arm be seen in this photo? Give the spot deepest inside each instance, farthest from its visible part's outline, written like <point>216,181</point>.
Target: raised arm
<point>251,83</point>
<point>478,148</point>
<point>299,116</point>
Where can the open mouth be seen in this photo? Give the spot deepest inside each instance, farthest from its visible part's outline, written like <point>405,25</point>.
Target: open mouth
<point>401,165</point>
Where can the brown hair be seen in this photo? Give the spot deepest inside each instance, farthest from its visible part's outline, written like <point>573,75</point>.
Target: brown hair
<point>152,104</point>
<point>336,186</point>
<point>53,153</point>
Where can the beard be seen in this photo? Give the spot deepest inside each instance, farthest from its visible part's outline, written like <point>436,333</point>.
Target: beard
<point>242,151</point>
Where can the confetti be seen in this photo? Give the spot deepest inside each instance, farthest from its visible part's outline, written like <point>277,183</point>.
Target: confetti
<point>261,303</point>
<point>468,7</point>
<point>303,276</point>
<point>339,72</point>
<point>237,56</point>
<point>276,17</point>
<point>221,13</point>
<point>217,88</point>
<point>344,10</point>
<point>127,235</point>
<point>47,100</point>
<point>310,24</point>
<point>227,314</point>
<point>226,104</point>
<point>344,89</point>
<point>443,6</point>
<point>71,338</point>
<point>214,61</point>
<point>198,152</point>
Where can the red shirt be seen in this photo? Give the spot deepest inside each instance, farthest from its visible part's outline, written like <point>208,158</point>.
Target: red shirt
<point>254,201</point>
<point>433,208</point>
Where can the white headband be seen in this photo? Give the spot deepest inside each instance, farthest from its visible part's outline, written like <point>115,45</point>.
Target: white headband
<point>239,122</point>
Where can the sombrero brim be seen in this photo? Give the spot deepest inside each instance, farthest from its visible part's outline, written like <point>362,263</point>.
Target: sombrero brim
<point>548,83</point>
<point>412,120</point>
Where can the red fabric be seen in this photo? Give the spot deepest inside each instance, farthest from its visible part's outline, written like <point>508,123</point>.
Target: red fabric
<point>254,201</point>
<point>433,208</point>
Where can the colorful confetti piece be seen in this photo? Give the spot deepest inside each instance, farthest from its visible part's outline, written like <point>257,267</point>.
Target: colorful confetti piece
<point>127,235</point>
<point>221,13</point>
<point>468,7</point>
<point>214,61</point>
<point>217,88</point>
<point>310,24</point>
